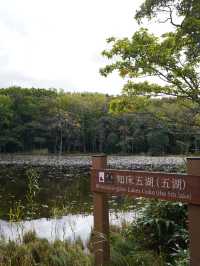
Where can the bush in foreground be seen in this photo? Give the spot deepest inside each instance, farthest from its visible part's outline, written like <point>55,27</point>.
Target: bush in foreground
<point>35,251</point>
<point>158,236</point>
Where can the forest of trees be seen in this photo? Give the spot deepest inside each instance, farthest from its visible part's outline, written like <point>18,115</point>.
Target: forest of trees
<point>60,122</point>
<point>148,118</point>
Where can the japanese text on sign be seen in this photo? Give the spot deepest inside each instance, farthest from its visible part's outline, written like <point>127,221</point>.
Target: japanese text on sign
<point>148,184</point>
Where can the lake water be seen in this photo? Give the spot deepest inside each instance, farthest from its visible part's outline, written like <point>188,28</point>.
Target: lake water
<point>58,205</point>
<point>68,227</point>
<point>57,208</point>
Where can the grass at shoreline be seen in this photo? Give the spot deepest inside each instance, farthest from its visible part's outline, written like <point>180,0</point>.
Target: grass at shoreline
<point>34,251</point>
<point>156,237</point>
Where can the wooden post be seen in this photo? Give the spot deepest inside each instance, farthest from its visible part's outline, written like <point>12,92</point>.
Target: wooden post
<point>193,168</point>
<point>101,219</point>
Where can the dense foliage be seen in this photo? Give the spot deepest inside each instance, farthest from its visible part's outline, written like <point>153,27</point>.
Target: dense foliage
<point>58,122</point>
<point>158,236</point>
<point>184,15</point>
<point>171,59</point>
<point>35,251</point>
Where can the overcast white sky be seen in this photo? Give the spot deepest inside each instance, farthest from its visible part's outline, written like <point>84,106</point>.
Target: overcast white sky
<point>58,43</point>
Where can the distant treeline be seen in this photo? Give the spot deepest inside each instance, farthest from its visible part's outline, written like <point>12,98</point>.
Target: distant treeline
<point>60,122</point>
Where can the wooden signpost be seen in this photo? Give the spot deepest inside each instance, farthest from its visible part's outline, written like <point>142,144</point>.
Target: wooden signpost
<point>175,187</point>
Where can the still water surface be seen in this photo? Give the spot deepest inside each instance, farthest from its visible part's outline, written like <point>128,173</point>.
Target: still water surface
<point>61,208</point>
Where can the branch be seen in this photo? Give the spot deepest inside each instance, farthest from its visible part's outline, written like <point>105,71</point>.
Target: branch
<point>163,21</point>
<point>171,18</point>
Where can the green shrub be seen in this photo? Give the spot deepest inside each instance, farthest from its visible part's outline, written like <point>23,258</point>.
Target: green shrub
<point>39,252</point>
<point>161,226</point>
<point>125,251</point>
<point>181,257</point>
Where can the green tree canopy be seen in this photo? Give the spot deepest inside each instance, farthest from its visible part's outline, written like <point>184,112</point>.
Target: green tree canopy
<point>184,15</point>
<point>174,57</point>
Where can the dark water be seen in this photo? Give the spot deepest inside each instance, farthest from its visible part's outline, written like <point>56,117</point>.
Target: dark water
<point>56,208</point>
<point>52,196</point>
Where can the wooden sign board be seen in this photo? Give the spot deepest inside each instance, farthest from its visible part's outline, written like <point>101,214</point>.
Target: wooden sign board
<point>176,187</point>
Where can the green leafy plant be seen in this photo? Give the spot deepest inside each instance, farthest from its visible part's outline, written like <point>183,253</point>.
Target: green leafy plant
<point>161,226</point>
<point>16,212</point>
<point>32,191</point>
<point>181,257</point>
